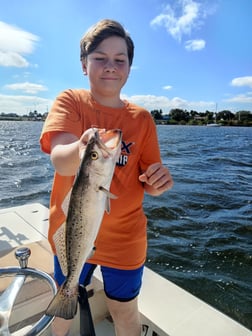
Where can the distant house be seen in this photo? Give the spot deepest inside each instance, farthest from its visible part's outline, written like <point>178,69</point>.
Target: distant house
<point>199,118</point>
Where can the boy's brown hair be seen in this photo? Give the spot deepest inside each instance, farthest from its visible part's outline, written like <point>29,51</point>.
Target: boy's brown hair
<point>99,32</point>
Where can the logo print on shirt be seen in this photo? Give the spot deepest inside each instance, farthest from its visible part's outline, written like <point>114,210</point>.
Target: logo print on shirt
<point>123,159</point>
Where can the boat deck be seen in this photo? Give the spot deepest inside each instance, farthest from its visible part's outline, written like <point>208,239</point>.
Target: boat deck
<point>167,309</point>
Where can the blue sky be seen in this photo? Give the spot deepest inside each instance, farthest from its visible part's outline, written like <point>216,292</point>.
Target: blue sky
<point>189,54</point>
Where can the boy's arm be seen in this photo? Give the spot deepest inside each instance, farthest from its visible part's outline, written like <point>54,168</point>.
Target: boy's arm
<point>67,150</point>
<point>65,153</point>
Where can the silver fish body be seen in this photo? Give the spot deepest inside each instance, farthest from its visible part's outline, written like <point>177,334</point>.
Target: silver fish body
<point>88,201</point>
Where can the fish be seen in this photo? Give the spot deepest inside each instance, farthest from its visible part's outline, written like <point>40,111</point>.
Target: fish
<point>89,199</point>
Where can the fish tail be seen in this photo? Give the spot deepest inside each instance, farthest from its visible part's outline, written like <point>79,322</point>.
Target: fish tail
<point>64,304</point>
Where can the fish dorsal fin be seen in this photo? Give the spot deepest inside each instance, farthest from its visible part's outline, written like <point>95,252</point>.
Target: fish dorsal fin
<point>109,196</point>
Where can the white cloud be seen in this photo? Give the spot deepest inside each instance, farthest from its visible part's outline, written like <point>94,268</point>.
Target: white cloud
<point>134,67</point>
<point>192,45</point>
<point>245,98</point>
<point>179,20</point>
<point>27,87</point>
<point>22,104</point>
<point>14,44</point>
<point>242,81</point>
<point>183,18</point>
<point>151,102</point>
<point>167,87</point>
<point>9,59</point>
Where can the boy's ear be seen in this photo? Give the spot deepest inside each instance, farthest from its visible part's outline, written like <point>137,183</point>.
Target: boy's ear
<point>84,67</point>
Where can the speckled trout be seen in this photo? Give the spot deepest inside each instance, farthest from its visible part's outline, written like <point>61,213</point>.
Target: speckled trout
<point>89,199</point>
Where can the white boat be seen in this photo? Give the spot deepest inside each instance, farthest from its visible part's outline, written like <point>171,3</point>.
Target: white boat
<point>213,125</point>
<point>166,309</point>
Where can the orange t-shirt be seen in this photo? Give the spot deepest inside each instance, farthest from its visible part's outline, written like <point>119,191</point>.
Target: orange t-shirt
<point>122,238</point>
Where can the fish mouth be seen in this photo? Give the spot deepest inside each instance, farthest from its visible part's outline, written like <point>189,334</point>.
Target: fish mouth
<point>109,140</point>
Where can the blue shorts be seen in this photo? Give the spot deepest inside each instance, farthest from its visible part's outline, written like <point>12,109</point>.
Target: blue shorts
<point>119,285</point>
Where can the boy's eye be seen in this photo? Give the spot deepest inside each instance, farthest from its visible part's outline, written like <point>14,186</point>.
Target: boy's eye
<point>102,59</point>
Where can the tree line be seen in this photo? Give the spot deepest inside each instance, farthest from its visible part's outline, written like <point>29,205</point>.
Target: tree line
<point>31,116</point>
<point>183,117</point>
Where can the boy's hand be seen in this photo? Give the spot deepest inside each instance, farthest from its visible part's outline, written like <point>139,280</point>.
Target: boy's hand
<point>85,138</point>
<point>157,179</point>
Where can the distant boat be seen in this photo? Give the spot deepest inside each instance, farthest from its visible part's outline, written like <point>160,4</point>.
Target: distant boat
<point>214,125</point>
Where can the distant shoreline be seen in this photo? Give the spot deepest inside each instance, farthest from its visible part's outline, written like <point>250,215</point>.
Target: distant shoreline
<point>222,124</point>
<point>21,118</point>
<point>157,122</point>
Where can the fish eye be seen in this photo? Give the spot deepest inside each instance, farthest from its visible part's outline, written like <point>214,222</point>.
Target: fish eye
<point>94,155</point>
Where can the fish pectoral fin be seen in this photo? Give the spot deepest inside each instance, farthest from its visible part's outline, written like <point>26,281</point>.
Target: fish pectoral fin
<point>107,192</point>
<point>109,196</point>
<point>107,205</point>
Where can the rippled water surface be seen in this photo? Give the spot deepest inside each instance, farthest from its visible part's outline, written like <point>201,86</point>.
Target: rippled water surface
<point>200,232</point>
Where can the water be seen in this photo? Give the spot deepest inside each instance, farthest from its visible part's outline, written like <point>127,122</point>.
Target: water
<point>26,173</point>
<point>200,232</point>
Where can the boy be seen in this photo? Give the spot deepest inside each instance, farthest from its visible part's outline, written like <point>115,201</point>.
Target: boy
<point>106,55</point>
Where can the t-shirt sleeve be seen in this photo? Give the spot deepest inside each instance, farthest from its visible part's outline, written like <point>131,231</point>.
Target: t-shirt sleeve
<point>64,116</point>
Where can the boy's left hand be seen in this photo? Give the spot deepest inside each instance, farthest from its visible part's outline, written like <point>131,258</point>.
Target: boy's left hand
<point>157,178</point>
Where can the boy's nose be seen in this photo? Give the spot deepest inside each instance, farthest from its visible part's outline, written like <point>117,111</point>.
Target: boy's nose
<point>110,65</point>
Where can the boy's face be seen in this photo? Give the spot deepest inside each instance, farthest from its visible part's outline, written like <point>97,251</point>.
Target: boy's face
<point>108,66</point>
